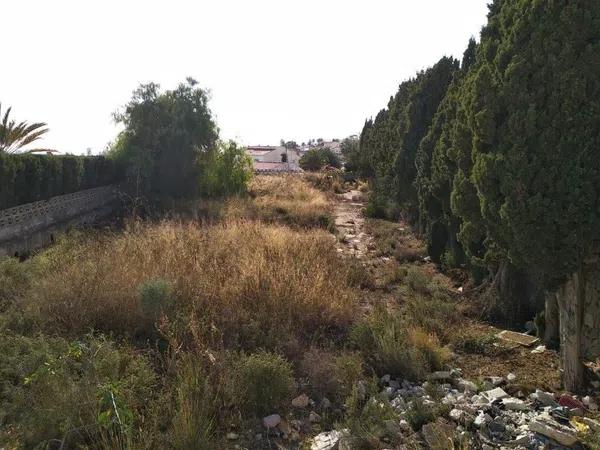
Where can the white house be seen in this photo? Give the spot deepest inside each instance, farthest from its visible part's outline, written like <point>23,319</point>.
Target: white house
<point>274,158</point>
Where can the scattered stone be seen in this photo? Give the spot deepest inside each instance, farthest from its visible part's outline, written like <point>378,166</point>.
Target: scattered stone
<point>466,386</point>
<point>511,377</point>
<point>313,417</point>
<point>482,419</point>
<point>495,394</point>
<point>440,376</point>
<point>518,338</point>
<point>497,425</point>
<point>232,436</point>
<point>271,421</point>
<point>553,430</point>
<point>539,349</point>
<point>514,404</point>
<point>545,398</point>
<point>328,440</point>
<point>496,381</point>
<point>301,401</point>
<point>457,415</point>
<point>590,403</point>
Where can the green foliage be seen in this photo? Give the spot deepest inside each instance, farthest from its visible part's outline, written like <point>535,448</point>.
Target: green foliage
<point>317,158</point>
<point>225,171</point>
<point>14,136</point>
<point>166,135</point>
<point>530,105</point>
<point>262,382</point>
<point>154,296</point>
<point>370,421</point>
<point>421,413</point>
<point>26,178</point>
<point>388,145</point>
<point>393,346</point>
<point>50,387</point>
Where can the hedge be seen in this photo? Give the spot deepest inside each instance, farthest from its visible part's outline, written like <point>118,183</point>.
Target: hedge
<point>29,178</point>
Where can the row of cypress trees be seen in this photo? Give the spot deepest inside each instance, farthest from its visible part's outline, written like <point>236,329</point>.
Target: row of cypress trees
<point>496,160</point>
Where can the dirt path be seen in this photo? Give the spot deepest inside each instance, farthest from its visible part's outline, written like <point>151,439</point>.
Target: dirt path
<point>349,222</point>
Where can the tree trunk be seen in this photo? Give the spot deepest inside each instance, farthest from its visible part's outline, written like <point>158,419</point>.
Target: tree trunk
<point>570,298</point>
<point>551,325</point>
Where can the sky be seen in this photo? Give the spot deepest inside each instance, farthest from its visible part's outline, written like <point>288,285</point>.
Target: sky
<point>274,68</point>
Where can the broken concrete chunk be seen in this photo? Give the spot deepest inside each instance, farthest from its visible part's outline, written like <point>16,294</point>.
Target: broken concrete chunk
<point>545,398</point>
<point>553,430</point>
<point>495,394</point>
<point>518,338</point>
<point>328,440</point>
<point>514,404</point>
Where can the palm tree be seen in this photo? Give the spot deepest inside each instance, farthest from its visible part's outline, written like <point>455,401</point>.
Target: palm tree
<point>14,136</point>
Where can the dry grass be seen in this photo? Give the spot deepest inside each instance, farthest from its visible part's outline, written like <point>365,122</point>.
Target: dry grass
<point>395,239</point>
<point>287,199</point>
<point>239,284</point>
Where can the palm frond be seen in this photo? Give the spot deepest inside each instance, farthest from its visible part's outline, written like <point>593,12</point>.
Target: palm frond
<point>13,136</point>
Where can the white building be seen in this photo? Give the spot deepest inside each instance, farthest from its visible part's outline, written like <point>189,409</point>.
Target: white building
<point>274,158</point>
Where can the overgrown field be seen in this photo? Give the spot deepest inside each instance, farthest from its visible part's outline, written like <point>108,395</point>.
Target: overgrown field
<point>174,334</point>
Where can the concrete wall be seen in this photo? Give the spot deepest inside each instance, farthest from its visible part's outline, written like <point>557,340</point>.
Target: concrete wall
<point>31,226</point>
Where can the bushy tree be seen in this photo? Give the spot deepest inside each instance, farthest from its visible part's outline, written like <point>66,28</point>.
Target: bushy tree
<point>165,135</point>
<point>319,157</point>
<point>225,171</point>
<point>388,145</point>
<point>530,186</point>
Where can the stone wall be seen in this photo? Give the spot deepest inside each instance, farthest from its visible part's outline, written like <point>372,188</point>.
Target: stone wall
<point>27,227</point>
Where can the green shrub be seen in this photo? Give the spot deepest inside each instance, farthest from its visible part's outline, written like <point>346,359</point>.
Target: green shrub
<point>225,171</point>
<point>420,413</point>
<point>26,178</point>
<point>417,280</point>
<point>50,387</point>
<point>394,346</point>
<point>154,296</point>
<point>331,375</point>
<point>262,382</point>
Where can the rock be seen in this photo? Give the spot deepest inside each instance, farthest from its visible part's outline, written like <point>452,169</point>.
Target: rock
<point>495,394</point>
<point>440,376</point>
<point>301,401</point>
<point>539,349</point>
<point>232,436</point>
<point>466,386</point>
<point>325,403</point>
<point>272,421</point>
<point>386,379</point>
<point>457,415</point>
<point>404,425</point>
<point>497,425</point>
<point>511,377</point>
<point>394,384</point>
<point>329,440</point>
<point>482,419</point>
<point>593,424</point>
<point>389,392</point>
<point>590,403</point>
<point>398,404</point>
<point>514,404</point>
<point>553,430</point>
<point>570,402</point>
<point>496,381</point>
<point>313,417</point>
<point>545,398</point>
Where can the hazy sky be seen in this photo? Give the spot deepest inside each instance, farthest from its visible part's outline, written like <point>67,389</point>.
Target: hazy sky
<point>275,68</point>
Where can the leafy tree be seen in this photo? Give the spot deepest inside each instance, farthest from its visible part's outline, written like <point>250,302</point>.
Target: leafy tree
<point>226,171</point>
<point>165,135</point>
<point>350,149</point>
<point>312,160</point>
<point>319,157</point>
<point>14,136</point>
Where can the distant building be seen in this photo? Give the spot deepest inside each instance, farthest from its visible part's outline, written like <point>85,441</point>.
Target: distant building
<point>274,158</point>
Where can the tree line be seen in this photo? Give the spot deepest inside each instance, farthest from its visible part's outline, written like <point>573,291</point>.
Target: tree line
<point>495,161</point>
